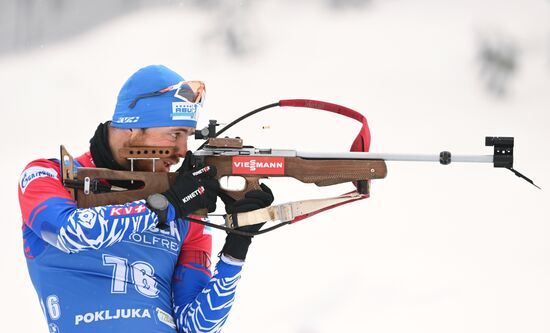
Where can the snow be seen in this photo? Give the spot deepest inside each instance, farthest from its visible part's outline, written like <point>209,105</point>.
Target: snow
<point>461,248</point>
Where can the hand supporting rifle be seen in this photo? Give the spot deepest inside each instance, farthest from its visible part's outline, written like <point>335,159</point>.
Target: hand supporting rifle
<point>236,245</point>
<point>194,189</point>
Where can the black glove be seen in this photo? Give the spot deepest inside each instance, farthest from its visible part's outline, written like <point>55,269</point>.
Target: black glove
<point>236,245</point>
<point>193,189</point>
<point>188,162</point>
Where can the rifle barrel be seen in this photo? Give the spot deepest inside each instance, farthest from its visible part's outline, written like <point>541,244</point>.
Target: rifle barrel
<point>396,157</point>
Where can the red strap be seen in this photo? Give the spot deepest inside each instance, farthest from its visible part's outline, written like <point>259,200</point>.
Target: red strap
<point>360,144</point>
<point>305,216</point>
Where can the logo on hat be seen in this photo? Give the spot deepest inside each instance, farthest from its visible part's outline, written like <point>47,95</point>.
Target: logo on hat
<point>184,111</point>
<point>127,120</point>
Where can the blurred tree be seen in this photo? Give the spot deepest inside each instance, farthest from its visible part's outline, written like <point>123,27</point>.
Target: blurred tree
<point>498,58</point>
<point>344,4</point>
<point>26,24</point>
<point>232,27</point>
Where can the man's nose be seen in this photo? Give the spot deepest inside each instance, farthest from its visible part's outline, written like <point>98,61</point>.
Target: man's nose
<point>181,151</point>
<point>181,146</point>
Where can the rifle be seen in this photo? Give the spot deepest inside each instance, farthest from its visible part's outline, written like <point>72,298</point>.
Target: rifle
<point>90,186</point>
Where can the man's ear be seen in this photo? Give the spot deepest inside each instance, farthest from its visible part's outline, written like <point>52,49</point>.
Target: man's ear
<point>121,136</point>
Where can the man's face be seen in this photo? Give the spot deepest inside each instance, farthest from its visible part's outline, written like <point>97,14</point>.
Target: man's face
<point>161,137</point>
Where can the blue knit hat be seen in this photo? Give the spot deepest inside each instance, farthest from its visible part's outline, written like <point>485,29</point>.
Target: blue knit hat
<point>162,110</point>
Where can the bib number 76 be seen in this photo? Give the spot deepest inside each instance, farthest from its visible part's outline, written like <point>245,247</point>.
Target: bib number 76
<point>141,276</point>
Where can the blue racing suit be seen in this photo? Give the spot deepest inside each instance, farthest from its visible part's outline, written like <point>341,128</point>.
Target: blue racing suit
<point>109,269</point>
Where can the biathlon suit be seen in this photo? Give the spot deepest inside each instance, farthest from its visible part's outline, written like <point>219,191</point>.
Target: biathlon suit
<point>110,269</point>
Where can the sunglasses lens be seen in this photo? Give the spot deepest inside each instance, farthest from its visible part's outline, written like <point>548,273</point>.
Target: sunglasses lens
<point>192,91</point>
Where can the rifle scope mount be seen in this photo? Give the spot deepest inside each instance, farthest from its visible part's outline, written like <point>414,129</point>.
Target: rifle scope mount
<point>208,132</point>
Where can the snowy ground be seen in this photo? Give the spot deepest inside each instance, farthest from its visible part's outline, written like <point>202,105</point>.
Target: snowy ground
<point>462,248</point>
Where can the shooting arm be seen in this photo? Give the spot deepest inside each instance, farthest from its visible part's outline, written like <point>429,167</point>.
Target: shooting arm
<point>49,211</point>
<point>202,302</point>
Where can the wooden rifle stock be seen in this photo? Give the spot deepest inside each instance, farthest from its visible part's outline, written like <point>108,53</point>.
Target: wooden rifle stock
<point>153,182</point>
<point>322,172</point>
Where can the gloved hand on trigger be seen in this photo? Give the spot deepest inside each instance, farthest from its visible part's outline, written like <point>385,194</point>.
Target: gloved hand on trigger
<point>194,189</point>
<point>236,246</point>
